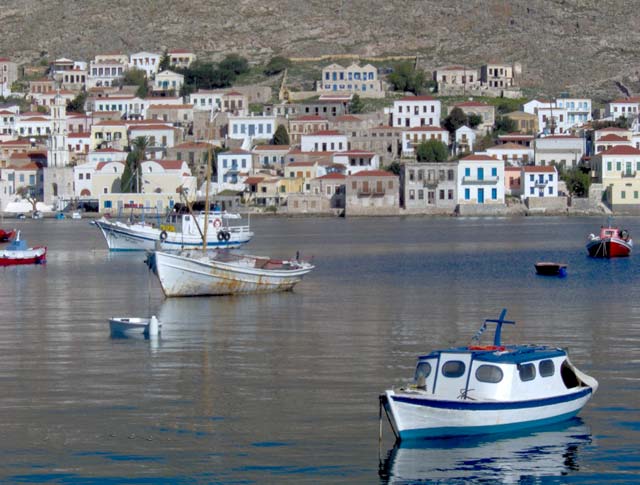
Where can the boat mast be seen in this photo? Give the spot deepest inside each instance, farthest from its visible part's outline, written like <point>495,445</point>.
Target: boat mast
<point>206,200</point>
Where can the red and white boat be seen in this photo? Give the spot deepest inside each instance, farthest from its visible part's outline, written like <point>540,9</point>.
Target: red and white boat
<point>6,235</point>
<point>611,243</point>
<point>18,253</point>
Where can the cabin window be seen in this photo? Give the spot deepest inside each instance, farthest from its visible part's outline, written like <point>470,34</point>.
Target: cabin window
<point>489,373</point>
<point>546,368</point>
<point>423,370</point>
<point>527,372</point>
<point>453,368</point>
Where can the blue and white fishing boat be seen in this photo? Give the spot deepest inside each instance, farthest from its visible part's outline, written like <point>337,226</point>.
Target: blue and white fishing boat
<point>487,389</point>
<point>177,232</point>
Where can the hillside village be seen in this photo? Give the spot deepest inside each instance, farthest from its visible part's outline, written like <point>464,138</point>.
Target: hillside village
<point>136,131</point>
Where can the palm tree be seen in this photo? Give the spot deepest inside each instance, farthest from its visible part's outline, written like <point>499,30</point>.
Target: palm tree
<point>136,157</point>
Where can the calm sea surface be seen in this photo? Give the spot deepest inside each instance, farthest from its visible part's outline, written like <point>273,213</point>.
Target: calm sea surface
<point>284,387</point>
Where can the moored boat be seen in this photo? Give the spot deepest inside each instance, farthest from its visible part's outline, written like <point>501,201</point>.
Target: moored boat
<point>195,273</point>
<point>495,388</point>
<point>7,235</point>
<point>611,243</point>
<point>547,268</point>
<point>19,253</point>
<point>178,231</point>
<point>124,326</point>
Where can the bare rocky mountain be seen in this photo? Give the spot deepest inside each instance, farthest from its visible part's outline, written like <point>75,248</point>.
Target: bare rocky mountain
<point>563,45</point>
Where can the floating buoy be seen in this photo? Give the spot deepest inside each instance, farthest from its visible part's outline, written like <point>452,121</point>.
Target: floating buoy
<point>153,327</point>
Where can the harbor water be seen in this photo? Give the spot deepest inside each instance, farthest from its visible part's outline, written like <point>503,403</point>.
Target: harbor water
<point>283,388</point>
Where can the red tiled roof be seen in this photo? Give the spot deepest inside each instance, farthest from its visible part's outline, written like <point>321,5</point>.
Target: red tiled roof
<point>374,173</point>
<point>35,118</point>
<point>417,98</point>
<point>271,147</point>
<point>509,146</point>
<point>15,142</point>
<point>538,168</point>
<point>612,137</point>
<point>631,100</point>
<point>28,166</point>
<point>79,135</point>
<point>332,176</point>
<point>111,123</point>
<point>253,180</point>
<point>4,112</point>
<point>169,164</point>
<point>171,106</point>
<point>622,150</point>
<point>235,151</point>
<point>426,128</point>
<point>479,158</point>
<point>102,164</point>
<point>233,93</point>
<point>149,127</point>
<point>346,118</point>
<point>309,118</point>
<point>108,150</point>
<point>325,133</point>
<point>356,152</point>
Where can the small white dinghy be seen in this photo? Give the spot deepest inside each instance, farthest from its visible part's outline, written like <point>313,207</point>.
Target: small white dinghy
<point>128,326</point>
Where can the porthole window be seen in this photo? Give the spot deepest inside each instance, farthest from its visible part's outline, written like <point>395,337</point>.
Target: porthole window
<point>423,370</point>
<point>489,373</point>
<point>546,368</point>
<point>453,368</point>
<point>527,372</point>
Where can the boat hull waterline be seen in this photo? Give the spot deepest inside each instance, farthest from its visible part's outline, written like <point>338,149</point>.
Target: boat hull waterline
<point>415,417</point>
<point>609,248</point>
<point>124,237</point>
<point>37,255</point>
<point>184,276</point>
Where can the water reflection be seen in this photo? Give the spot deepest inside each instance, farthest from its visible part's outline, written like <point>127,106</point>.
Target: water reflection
<point>549,451</point>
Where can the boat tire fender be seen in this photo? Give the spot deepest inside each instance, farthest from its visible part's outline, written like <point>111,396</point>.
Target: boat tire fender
<point>163,236</point>
<point>220,236</point>
<point>227,235</point>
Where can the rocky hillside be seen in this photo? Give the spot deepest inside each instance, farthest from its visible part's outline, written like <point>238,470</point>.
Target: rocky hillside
<point>573,45</point>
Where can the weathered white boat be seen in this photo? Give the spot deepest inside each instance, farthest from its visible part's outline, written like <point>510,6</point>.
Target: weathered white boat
<point>487,389</point>
<point>123,326</point>
<point>194,273</point>
<point>179,231</point>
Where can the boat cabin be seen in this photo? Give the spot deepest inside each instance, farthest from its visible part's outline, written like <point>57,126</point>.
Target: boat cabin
<point>506,373</point>
<point>188,224</point>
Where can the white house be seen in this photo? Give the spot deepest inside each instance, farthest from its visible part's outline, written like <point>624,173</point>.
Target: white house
<point>231,165</point>
<point>168,81</point>
<point>206,99</point>
<point>83,176</point>
<point>128,105</point>
<point>413,111</point>
<point>30,124</point>
<point>480,180</point>
<point>356,161</point>
<point>159,135</point>
<point>578,110</point>
<point>465,139</point>
<point>512,153</point>
<point>105,73</point>
<point>560,150</point>
<point>539,181</point>
<point>79,143</point>
<point>7,124</point>
<point>624,108</point>
<point>271,155</point>
<point>362,80</point>
<point>145,61</point>
<point>166,176</point>
<point>107,155</point>
<point>412,137</point>
<point>324,141</point>
<point>249,128</point>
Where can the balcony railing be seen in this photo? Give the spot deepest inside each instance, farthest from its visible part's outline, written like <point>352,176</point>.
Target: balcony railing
<point>470,180</point>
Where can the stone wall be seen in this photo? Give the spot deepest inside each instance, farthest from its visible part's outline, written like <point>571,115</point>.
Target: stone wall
<point>546,204</point>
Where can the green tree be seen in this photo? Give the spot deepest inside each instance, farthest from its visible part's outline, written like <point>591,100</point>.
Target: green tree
<point>165,62</point>
<point>130,181</point>
<point>474,120</point>
<point>205,75</point>
<point>357,105</point>
<point>577,180</point>
<point>136,77</point>
<point>280,137</point>
<point>276,64</point>
<point>405,77</point>
<point>234,63</point>
<point>504,124</point>
<point>29,194</point>
<point>455,120</point>
<point>76,105</point>
<point>432,151</point>
<point>394,168</point>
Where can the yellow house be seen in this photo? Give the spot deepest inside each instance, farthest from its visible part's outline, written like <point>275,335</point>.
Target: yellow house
<point>109,134</point>
<point>289,186</point>
<point>306,171</point>
<point>619,171</point>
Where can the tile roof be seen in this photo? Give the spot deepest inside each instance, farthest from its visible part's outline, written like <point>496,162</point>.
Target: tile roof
<point>374,173</point>
<point>622,150</point>
<point>538,168</point>
<point>479,158</point>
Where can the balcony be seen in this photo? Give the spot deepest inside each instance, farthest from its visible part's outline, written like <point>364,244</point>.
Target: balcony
<point>628,175</point>
<point>490,180</point>
<point>541,185</point>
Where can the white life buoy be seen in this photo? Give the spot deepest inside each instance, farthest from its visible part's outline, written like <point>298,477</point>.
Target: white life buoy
<point>217,223</point>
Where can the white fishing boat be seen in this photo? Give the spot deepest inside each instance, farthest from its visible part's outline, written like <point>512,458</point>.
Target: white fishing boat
<point>487,389</point>
<point>195,273</point>
<point>178,231</point>
<point>124,326</point>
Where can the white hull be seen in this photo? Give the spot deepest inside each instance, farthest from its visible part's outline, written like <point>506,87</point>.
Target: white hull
<point>143,237</point>
<point>419,415</point>
<point>120,326</point>
<point>198,276</point>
